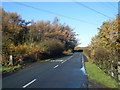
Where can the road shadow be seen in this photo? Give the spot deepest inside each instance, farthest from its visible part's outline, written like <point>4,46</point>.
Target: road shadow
<point>85,58</point>
<point>61,56</point>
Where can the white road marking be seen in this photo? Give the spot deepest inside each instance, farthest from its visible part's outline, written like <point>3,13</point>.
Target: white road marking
<point>83,70</point>
<point>67,59</point>
<point>56,61</point>
<point>56,66</point>
<point>29,83</point>
<point>83,67</point>
<point>62,62</point>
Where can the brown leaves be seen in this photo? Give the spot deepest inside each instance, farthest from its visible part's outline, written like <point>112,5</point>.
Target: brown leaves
<point>104,46</point>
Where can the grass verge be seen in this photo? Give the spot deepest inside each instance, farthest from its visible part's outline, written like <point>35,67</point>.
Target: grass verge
<point>97,75</point>
<point>46,60</point>
<point>9,69</point>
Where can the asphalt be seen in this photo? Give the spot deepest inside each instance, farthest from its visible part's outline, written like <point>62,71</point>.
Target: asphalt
<point>64,72</point>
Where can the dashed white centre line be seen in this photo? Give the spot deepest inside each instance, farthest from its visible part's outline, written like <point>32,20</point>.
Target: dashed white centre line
<point>56,66</point>
<point>29,83</point>
<point>63,61</point>
<point>67,59</point>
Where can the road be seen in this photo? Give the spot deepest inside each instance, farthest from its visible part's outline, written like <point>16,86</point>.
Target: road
<point>64,72</point>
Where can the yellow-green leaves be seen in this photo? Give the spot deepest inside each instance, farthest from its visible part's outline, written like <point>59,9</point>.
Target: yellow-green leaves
<point>104,47</point>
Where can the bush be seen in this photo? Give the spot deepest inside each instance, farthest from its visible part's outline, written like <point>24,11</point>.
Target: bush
<point>23,52</point>
<point>33,52</point>
<point>52,47</point>
<point>88,54</point>
<point>101,57</point>
<point>67,52</point>
<point>19,49</point>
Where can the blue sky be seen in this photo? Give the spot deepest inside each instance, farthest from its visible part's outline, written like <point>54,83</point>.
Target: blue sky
<point>86,30</point>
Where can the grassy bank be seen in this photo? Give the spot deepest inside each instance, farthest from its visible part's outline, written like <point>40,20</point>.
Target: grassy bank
<point>97,75</point>
<point>9,69</point>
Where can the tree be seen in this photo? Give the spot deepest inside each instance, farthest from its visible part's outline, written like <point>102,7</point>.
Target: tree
<point>105,46</point>
<point>14,32</point>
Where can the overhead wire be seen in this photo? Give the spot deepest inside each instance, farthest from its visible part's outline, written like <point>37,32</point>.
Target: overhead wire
<point>112,5</point>
<point>108,6</point>
<point>79,3</point>
<point>114,10</point>
<point>54,13</point>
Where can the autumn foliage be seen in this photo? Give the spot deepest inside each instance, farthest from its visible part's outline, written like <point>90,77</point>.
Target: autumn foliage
<point>104,49</point>
<point>33,41</point>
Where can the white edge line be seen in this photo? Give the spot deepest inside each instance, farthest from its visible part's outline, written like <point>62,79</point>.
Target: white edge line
<point>56,66</point>
<point>83,67</point>
<point>29,83</point>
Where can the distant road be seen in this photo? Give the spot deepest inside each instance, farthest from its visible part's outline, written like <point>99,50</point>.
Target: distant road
<point>65,72</point>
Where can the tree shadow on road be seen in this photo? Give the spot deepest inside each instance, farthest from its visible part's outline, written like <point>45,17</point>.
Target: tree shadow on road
<point>85,58</point>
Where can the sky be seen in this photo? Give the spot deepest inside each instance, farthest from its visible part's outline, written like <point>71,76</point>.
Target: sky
<point>83,17</point>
